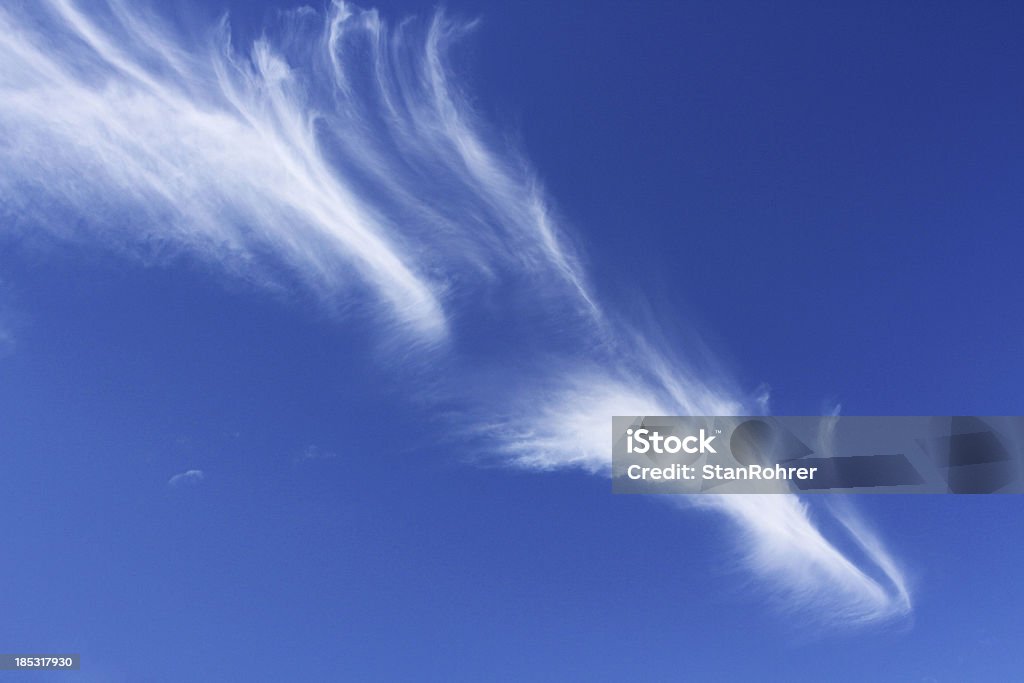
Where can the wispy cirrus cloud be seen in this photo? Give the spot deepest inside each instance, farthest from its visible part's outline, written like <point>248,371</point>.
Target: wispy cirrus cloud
<point>778,539</point>
<point>188,477</point>
<point>338,153</point>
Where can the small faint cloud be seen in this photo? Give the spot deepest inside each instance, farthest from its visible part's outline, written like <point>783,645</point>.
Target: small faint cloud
<point>8,320</point>
<point>6,340</point>
<point>186,478</point>
<point>763,399</point>
<point>313,452</point>
<point>831,407</point>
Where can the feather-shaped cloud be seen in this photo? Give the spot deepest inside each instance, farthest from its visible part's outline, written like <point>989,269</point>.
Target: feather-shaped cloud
<point>338,153</point>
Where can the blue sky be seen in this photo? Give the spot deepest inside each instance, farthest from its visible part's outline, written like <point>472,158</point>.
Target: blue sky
<point>364,348</point>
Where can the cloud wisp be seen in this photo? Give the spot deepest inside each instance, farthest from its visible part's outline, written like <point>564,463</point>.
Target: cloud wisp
<point>186,478</point>
<point>338,154</point>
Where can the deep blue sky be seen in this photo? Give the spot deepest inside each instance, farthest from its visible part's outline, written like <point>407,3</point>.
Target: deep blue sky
<point>828,193</point>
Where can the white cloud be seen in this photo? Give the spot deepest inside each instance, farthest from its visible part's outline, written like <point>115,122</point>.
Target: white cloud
<point>360,181</point>
<point>186,477</point>
<point>339,150</point>
<point>779,540</point>
<point>803,569</point>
